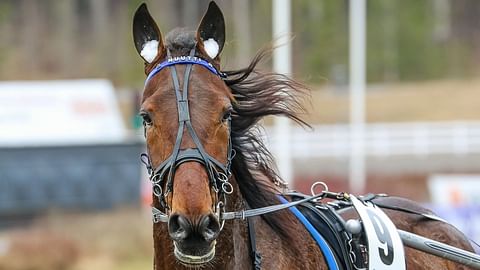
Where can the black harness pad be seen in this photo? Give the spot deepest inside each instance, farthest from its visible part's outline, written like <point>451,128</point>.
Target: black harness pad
<point>330,225</point>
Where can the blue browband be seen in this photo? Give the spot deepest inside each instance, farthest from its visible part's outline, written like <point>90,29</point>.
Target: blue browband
<point>183,60</point>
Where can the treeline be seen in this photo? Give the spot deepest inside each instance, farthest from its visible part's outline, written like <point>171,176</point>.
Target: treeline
<point>407,39</point>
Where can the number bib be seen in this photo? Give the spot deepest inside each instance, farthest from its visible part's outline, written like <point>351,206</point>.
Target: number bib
<point>385,248</point>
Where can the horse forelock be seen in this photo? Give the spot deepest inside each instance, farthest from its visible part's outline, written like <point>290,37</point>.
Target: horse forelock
<point>180,41</point>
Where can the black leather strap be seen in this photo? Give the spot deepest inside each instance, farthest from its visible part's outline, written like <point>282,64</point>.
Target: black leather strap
<point>254,254</point>
<point>401,209</point>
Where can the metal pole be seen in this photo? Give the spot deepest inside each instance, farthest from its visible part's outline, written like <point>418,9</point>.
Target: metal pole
<point>440,249</point>
<point>357,15</point>
<point>282,64</point>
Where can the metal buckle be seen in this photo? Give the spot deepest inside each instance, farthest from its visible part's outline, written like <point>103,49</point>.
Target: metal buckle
<point>227,188</point>
<point>155,179</point>
<point>157,190</point>
<point>316,184</point>
<point>158,216</point>
<point>219,210</point>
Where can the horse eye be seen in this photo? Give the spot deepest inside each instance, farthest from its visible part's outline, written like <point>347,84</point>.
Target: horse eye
<point>227,115</point>
<point>146,118</point>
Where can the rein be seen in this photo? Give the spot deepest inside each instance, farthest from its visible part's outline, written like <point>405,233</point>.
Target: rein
<point>158,216</point>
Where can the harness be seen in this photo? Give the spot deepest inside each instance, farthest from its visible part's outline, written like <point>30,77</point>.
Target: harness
<point>330,258</point>
<point>334,237</point>
<point>218,173</point>
<point>344,247</point>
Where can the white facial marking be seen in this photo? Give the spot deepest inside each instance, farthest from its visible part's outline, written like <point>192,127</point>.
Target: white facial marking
<point>150,50</point>
<point>211,47</point>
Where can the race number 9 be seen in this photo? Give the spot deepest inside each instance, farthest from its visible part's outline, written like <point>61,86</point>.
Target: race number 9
<point>386,248</point>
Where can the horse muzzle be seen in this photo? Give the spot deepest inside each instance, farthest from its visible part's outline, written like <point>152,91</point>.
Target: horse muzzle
<point>194,241</point>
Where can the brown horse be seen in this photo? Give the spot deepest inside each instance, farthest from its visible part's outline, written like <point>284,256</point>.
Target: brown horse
<point>205,157</point>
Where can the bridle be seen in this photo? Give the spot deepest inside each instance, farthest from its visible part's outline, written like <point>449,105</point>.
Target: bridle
<point>219,174</point>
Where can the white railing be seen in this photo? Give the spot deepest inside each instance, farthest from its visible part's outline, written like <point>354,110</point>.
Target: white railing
<point>386,139</point>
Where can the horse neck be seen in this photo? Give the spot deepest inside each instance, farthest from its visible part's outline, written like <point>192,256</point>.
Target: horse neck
<point>232,248</point>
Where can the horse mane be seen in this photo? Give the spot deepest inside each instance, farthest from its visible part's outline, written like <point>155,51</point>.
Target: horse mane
<point>258,95</point>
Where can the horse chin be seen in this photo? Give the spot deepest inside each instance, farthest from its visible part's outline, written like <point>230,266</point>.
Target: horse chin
<point>194,261</point>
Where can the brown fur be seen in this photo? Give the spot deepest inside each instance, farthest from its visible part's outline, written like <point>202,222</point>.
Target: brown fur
<point>282,241</point>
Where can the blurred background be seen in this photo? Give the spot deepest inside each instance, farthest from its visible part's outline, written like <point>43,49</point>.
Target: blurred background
<point>73,194</point>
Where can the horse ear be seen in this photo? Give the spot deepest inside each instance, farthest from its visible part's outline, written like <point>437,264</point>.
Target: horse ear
<point>146,35</point>
<point>211,32</point>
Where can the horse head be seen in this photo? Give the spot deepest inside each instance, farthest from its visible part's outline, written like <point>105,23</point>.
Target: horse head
<point>186,109</point>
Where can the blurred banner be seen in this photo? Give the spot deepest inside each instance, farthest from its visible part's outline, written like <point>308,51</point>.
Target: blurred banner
<point>455,197</point>
<point>63,144</point>
<point>59,113</point>
<point>455,190</point>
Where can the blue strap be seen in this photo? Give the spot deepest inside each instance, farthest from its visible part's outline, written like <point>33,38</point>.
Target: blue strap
<point>326,250</point>
<point>183,60</point>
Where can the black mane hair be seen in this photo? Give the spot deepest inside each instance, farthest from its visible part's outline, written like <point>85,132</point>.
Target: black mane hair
<point>258,95</point>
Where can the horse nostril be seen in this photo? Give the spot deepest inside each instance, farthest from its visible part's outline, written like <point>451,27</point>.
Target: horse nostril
<point>209,227</point>
<point>179,227</point>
